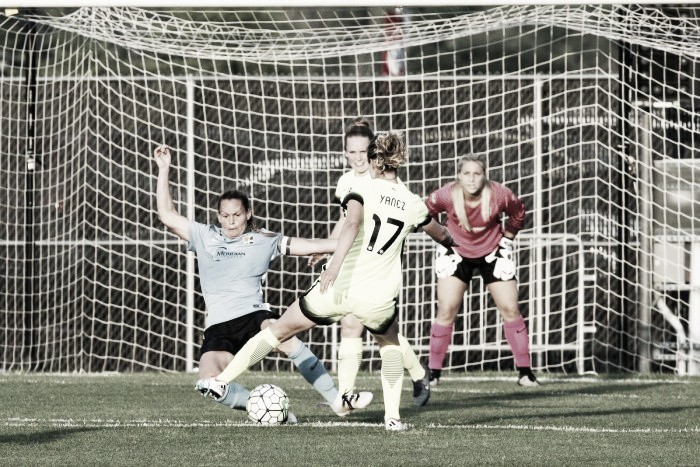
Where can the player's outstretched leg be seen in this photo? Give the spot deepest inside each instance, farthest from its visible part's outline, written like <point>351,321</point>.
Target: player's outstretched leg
<point>310,368</point>
<point>257,348</point>
<point>231,395</point>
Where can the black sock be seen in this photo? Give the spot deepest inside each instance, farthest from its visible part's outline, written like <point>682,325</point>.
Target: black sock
<point>435,374</point>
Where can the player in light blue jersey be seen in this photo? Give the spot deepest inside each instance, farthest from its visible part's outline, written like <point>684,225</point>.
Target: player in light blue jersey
<point>364,275</point>
<point>232,260</point>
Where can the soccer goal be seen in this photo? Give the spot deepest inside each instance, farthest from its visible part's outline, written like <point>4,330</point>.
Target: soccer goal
<point>588,113</point>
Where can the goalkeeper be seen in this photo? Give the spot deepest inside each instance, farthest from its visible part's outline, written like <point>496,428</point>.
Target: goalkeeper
<point>474,207</point>
<point>233,260</point>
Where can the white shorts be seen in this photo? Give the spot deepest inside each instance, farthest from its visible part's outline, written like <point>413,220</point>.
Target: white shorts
<point>330,307</point>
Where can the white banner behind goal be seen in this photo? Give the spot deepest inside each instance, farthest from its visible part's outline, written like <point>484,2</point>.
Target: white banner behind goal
<point>587,113</point>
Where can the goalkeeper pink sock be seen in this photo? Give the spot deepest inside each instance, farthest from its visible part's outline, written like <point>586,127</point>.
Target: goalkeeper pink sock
<point>440,338</point>
<point>519,341</point>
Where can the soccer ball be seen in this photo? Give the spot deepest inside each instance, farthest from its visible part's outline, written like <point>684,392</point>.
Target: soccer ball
<point>268,405</point>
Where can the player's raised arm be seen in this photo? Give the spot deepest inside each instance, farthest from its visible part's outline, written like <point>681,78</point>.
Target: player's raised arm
<point>167,213</point>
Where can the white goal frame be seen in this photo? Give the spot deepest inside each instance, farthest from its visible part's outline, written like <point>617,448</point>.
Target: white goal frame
<point>582,110</point>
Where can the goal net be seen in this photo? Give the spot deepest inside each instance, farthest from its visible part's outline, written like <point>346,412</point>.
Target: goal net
<point>588,113</point>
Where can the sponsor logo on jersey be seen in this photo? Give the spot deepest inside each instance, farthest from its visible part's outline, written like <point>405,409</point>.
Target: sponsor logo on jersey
<point>223,253</point>
<point>248,240</point>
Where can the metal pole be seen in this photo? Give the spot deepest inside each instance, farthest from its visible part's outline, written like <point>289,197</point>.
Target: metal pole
<point>30,254</point>
<point>644,174</point>
<point>537,226</point>
<point>694,309</point>
<point>190,280</point>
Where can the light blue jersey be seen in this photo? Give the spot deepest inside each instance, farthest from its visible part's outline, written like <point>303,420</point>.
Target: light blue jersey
<point>231,270</point>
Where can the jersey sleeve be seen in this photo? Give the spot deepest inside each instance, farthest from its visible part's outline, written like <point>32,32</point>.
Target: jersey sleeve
<point>196,234</point>
<point>352,195</point>
<point>438,200</point>
<point>278,243</point>
<point>343,187</point>
<point>423,216</point>
<point>513,207</point>
<point>357,192</point>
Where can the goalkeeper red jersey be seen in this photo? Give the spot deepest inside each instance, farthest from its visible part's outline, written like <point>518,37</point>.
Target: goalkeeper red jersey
<point>484,235</point>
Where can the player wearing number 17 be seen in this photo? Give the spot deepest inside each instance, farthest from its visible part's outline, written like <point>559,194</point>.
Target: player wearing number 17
<point>364,276</point>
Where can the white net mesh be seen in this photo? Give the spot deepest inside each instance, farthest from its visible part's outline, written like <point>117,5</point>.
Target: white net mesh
<point>588,113</point>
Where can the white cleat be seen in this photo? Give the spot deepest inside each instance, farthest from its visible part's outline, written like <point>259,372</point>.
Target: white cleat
<point>291,419</point>
<point>528,380</point>
<point>212,387</point>
<point>346,403</point>
<point>395,425</point>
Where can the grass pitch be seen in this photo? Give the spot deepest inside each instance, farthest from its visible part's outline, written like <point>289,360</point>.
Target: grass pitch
<point>482,419</point>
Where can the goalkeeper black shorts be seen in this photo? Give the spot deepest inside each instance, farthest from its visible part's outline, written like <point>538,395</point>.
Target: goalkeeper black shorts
<point>231,336</point>
<point>466,267</point>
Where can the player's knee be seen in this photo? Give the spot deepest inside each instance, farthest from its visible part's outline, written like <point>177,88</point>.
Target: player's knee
<point>353,328</point>
<point>447,313</point>
<point>267,323</point>
<point>510,312</point>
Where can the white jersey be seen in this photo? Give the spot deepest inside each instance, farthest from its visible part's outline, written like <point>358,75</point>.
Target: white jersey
<point>345,183</point>
<point>372,268</point>
<point>347,180</point>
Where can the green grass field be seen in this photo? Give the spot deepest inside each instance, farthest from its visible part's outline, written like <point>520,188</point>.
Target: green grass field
<point>482,419</point>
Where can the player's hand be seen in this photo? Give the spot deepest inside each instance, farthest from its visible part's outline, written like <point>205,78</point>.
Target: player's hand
<point>504,269</point>
<point>328,278</point>
<point>162,156</point>
<point>317,258</point>
<point>446,261</point>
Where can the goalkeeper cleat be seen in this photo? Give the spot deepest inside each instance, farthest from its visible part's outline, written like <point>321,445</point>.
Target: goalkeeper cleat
<point>434,377</point>
<point>349,401</point>
<point>421,388</point>
<point>527,378</point>
<point>395,425</point>
<point>212,387</point>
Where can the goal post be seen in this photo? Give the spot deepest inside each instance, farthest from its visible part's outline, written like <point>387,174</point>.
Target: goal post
<point>555,96</point>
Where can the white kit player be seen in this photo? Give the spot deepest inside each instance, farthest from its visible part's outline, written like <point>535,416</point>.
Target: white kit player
<point>358,136</point>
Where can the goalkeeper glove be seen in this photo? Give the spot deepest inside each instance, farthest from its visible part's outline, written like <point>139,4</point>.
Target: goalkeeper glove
<point>446,261</point>
<point>504,269</point>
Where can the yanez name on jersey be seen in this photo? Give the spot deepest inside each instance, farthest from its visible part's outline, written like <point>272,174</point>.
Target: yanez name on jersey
<point>393,202</point>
